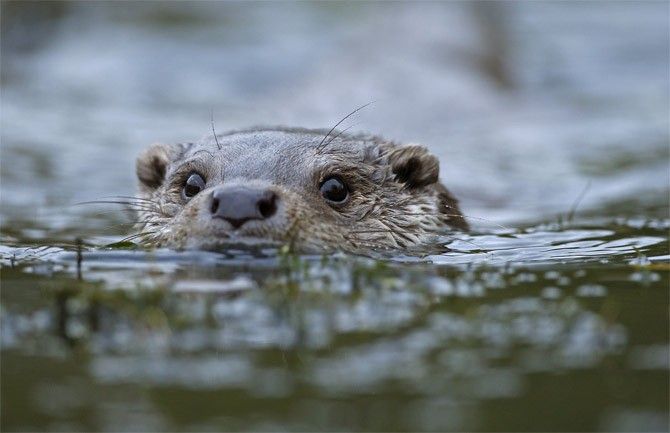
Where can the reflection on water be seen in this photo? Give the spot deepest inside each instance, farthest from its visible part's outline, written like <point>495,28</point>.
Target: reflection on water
<point>557,322</point>
<point>277,340</point>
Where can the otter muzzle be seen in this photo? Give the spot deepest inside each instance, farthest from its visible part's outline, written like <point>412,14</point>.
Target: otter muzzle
<point>239,204</point>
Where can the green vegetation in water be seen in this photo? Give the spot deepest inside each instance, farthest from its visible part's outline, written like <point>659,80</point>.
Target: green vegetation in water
<point>123,245</point>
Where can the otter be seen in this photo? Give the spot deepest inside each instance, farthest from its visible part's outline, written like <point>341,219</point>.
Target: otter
<point>318,191</point>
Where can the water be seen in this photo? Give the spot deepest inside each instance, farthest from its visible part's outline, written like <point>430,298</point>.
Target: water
<point>551,123</point>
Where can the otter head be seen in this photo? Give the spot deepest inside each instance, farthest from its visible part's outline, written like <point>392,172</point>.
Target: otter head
<point>354,193</point>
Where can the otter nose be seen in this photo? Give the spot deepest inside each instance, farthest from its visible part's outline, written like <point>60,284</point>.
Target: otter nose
<point>239,204</point>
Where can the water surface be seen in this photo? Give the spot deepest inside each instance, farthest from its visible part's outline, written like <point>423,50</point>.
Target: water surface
<point>551,124</point>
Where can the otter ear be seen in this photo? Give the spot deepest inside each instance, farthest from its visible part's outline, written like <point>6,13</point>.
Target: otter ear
<point>414,165</point>
<point>152,164</point>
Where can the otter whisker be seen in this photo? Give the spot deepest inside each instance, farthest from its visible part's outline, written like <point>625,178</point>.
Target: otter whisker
<point>126,212</point>
<point>138,201</point>
<point>125,224</point>
<point>137,235</point>
<point>340,133</point>
<point>125,203</point>
<point>462,216</point>
<point>318,147</point>
<point>205,151</point>
<point>575,205</point>
<point>391,231</point>
<point>465,216</point>
<point>211,112</point>
<point>473,244</point>
<point>127,209</point>
<point>130,197</point>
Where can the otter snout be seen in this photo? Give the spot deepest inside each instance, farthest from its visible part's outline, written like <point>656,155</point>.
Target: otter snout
<point>239,204</point>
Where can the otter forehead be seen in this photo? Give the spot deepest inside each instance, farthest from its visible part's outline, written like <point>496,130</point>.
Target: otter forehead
<point>279,155</point>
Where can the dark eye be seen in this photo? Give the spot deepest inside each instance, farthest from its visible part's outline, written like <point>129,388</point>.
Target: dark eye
<point>333,189</point>
<point>194,184</point>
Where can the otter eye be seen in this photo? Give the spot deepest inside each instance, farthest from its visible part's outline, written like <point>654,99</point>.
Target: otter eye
<point>194,184</point>
<point>333,189</point>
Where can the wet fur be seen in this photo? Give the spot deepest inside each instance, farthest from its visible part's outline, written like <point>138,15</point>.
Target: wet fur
<point>396,201</point>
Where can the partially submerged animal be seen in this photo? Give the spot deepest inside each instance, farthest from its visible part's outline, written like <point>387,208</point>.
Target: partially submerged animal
<point>314,190</point>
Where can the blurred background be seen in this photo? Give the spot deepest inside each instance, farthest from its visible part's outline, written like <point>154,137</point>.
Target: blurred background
<point>530,106</point>
<point>526,103</point>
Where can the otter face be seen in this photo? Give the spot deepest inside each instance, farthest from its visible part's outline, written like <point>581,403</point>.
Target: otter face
<point>358,194</point>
